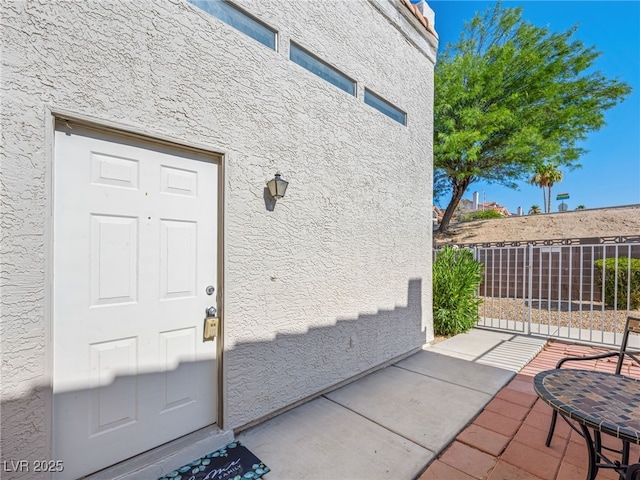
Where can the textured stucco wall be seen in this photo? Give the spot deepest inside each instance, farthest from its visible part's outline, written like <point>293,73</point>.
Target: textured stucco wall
<point>335,280</point>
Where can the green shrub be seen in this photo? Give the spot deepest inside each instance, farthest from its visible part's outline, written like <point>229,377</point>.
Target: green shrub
<point>456,278</point>
<point>486,215</point>
<point>628,279</point>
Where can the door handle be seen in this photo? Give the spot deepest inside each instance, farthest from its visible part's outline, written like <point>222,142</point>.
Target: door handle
<point>211,311</point>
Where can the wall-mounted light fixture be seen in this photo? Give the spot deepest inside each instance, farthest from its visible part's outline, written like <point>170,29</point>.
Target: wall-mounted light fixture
<point>277,186</point>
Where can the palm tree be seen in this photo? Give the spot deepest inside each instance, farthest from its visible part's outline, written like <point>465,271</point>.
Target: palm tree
<point>553,176</point>
<point>539,180</point>
<point>534,210</point>
<point>545,176</point>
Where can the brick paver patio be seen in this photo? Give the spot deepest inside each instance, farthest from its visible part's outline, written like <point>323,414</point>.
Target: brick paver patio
<point>506,440</point>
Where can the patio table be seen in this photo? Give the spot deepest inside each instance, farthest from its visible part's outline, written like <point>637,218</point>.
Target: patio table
<point>599,402</point>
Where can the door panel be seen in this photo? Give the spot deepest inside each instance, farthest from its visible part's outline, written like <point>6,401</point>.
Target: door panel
<point>135,246</point>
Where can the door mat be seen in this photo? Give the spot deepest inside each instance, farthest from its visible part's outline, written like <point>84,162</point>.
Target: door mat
<point>233,462</point>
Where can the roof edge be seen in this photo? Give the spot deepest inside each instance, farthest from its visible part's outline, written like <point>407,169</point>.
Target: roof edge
<point>421,18</point>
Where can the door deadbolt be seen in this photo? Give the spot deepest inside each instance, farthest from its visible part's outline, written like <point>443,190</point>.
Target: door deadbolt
<point>210,289</point>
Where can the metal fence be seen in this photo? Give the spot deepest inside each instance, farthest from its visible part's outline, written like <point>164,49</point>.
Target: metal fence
<point>557,290</point>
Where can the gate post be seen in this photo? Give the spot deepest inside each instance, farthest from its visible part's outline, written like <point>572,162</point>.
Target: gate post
<point>530,286</point>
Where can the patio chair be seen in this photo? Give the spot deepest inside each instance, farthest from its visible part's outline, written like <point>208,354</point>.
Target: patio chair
<point>632,325</point>
<point>633,472</point>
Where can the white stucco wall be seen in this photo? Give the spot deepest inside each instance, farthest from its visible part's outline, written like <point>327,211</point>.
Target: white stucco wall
<point>332,282</point>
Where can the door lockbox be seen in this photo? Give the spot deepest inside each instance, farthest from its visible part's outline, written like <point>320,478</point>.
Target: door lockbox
<point>211,324</point>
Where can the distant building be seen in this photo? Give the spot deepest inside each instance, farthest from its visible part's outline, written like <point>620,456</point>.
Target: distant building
<point>468,206</point>
<point>495,206</point>
<point>437,215</point>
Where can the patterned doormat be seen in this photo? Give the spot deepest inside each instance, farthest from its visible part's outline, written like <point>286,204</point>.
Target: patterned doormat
<point>233,462</point>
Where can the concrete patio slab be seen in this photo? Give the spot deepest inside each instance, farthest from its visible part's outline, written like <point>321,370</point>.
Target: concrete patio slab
<point>427,411</point>
<point>394,421</point>
<point>483,378</point>
<point>504,350</point>
<point>323,440</point>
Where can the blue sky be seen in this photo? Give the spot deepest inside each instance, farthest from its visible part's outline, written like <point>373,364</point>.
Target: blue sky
<point>610,173</point>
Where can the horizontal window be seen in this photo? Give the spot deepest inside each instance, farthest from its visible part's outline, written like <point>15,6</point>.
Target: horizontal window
<point>322,69</point>
<point>385,107</point>
<point>239,20</point>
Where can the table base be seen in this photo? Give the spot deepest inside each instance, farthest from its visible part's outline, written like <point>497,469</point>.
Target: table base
<point>597,458</point>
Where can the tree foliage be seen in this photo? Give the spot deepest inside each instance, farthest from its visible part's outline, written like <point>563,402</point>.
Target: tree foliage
<point>535,210</point>
<point>619,279</point>
<point>481,215</point>
<point>546,176</point>
<point>510,96</point>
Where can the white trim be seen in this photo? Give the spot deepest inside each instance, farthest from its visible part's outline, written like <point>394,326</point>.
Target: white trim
<point>411,29</point>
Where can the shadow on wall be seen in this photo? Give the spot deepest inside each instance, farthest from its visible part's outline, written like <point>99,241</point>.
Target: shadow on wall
<point>263,378</point>
<point>313,361</point>
<point>102,426</point>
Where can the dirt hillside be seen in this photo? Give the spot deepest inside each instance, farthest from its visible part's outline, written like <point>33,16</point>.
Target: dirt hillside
<point>601,222</point>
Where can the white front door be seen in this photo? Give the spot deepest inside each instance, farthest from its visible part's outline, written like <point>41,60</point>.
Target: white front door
<point>135,248</point>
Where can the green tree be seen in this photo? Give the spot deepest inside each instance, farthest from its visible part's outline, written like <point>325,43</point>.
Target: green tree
<point>481,215</point>
<point>545,176</point>
<point>539,180</point>
<point>534,210</point>
<point>580,207</point>
<point>510,96</point>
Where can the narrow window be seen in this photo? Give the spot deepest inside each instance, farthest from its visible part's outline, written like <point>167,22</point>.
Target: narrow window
<point>385,107</point>
<point>239,20</point>
<point>321,69</point>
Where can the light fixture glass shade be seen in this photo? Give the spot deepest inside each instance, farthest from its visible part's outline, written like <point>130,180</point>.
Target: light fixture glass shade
<point>277,187</point>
